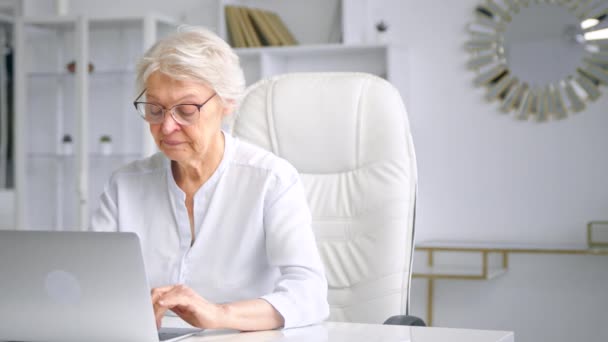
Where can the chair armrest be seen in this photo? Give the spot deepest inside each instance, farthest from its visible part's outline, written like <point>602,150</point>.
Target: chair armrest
<point>405,320</point>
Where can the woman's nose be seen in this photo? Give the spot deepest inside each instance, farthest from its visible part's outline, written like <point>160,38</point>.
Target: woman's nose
<point>169,124</point>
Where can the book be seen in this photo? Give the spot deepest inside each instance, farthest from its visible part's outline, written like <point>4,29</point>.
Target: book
<point>251,35</point>
<point>269,20</point>
<point>241,25</point>
<point>282,31</point>
<point>235,32</point>
<point>252,27</point>
<point>265,31</point>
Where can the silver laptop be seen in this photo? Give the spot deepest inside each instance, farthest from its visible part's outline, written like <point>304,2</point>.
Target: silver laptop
<point>76,286</point>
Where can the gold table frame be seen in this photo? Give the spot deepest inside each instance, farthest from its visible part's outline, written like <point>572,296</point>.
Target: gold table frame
<point>486,272</point>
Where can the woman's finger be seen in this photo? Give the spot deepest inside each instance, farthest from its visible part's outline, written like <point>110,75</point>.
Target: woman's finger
<point>159,291</point>
<point>159,313</point>
<point>176,299</point>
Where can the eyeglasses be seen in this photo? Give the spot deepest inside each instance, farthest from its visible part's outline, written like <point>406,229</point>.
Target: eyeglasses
<point>184,114</point>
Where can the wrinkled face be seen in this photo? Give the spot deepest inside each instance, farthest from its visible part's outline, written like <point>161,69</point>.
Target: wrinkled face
<point>185,143</point>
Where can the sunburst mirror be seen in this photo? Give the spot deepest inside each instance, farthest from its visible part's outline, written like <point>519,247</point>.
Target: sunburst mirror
<point>542,59</point>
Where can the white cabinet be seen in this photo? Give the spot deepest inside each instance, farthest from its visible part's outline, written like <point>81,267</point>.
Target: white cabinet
<point>56,95</point>
<point>75,78</point>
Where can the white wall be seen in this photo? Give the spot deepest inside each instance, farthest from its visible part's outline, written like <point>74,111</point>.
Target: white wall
<point>483,174</point>
<point>486,176</point>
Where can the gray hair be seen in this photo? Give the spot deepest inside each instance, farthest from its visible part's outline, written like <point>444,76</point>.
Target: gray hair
<point>195,54</point>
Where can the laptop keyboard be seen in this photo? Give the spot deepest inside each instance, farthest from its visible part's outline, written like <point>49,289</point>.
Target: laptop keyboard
<point>163,336</point>
<point>166,334</point>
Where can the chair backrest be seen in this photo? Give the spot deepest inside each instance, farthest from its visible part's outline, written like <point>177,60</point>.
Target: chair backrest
<point>348,136</point>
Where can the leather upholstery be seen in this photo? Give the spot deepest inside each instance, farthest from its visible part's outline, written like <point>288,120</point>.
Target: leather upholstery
<point>348,135</point>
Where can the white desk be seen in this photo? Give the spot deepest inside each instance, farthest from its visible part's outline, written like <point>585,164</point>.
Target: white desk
<point>353,332</point>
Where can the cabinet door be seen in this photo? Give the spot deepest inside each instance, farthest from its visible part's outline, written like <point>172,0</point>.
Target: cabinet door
<point>114,129</point>
<point>116,134</point>
<point>76,124</point>
<point>47,136</point>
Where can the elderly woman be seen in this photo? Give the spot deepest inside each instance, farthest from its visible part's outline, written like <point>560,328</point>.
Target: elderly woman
<point>224,225</point>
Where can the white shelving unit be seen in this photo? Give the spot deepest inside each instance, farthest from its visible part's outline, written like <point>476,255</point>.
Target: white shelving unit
<point>340,39</point>
<point>265,62</point>
<point>57,191</point>
<point>324,28</point>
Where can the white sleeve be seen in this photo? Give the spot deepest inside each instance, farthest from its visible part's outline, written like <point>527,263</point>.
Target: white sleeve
<point>300,293</point>
<point>105,217</point>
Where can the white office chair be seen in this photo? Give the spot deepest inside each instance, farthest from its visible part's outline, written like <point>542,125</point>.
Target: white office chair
<point>348,135</point>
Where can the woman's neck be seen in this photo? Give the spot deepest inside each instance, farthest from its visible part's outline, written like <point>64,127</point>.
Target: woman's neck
<point>192,174</point>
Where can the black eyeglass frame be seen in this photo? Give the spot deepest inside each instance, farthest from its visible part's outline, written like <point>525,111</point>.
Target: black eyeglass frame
<point>170,110</point>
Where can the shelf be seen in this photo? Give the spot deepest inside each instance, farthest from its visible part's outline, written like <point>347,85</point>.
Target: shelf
<point>457,272</point>
<point>319,49</point>
<point>507,247</point>
<point>448,252</point>
<point>105,21</point>
<point>315,50</point>
<point>264,62</point>
<point>325,26</point>
<point>59,157</point>
<point>485,270</point>
<point>107,72</point>
<point>62,22</point>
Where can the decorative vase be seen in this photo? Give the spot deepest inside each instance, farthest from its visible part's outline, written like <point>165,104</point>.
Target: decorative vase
<point>67,146</point>
<point>382,32</point>
<point>382,37</point>
<point>105,147</point>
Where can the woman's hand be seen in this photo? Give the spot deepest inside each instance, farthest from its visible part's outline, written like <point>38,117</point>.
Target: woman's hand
<point>246,315</point>
<point>187,304</point>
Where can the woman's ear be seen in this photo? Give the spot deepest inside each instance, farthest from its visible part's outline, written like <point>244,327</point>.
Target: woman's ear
<point>229,106</point>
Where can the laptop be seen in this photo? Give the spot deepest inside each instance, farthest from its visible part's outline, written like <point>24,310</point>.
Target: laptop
<point>76,286</point>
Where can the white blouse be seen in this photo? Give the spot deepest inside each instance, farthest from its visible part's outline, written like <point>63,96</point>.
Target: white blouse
<point>253,234</point>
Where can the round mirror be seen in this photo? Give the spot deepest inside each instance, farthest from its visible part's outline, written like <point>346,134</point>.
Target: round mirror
<point>540,58</point>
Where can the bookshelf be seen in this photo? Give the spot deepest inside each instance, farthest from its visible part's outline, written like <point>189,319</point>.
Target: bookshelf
<point>57,96</point>
<point>341,38</point>
<point>297,17</point>
<point>254,27</point>
<point>260,63</point>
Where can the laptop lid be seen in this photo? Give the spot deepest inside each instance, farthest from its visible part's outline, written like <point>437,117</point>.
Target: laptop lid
<point>74,286</point>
